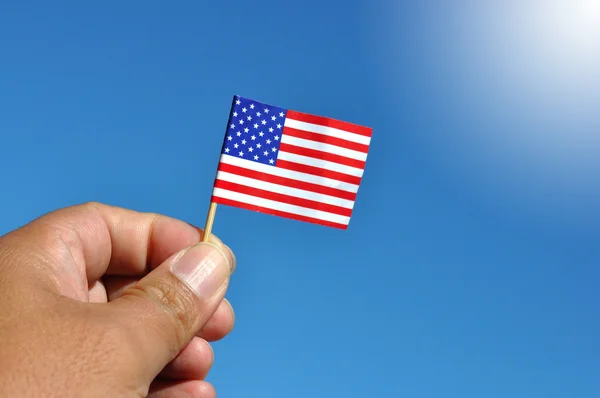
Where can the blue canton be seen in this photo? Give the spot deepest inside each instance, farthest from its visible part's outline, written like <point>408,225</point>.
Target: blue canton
<point>254,131</point>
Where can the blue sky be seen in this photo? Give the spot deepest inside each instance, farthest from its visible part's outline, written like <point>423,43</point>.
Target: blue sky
<point>470,268</point>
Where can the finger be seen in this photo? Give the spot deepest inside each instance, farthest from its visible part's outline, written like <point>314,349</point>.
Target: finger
<point>192,363</point>
<point>103,239</point>
<point>168,307</point>
<point>217,327</point>
<point>97,293</point>
<point>183,389</point>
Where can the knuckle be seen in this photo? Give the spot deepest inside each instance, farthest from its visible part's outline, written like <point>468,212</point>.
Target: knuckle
<point>176,307</point>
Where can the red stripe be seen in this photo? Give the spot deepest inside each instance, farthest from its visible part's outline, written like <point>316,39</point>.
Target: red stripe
<point>278,213</point>
<point>325,139</point>
<point>288,182</point>
<point>278,197</point>
<point>330,157</point>
<point>325,121</point>
<point>302,168</point>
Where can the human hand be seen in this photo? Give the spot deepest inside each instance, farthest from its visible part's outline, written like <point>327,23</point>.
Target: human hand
<point>99,301</point>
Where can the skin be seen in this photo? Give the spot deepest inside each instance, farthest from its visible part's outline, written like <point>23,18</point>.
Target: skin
<point>90,307</point>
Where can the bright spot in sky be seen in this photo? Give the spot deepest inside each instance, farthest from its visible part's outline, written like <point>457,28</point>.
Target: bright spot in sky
<point>522,77</point>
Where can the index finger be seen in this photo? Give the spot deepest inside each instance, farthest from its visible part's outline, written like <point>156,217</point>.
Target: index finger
<point>109,240</point>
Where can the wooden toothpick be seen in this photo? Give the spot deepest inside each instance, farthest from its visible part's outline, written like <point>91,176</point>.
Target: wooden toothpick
<point>210,219</point>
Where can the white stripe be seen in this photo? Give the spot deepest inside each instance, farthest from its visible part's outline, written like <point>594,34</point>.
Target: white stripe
<point>323,164</point>
<point>330,131</point>
<point>294,175</point>
<point>271,204</point>
<point>285,190</point>
<point>319,146</point>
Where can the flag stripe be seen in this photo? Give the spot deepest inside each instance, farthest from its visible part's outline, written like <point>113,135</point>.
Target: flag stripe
<point>320,146</point>
<point>323,121</point>
<point>321,164</point>
<point>283,189</point>
<point>282,207</point>
<point>302,174</point>
<point>305,186</point>
<point>319,172</point>
<point>281,198</point>
<point>325,139</point>
<point>321,155</point>
<point>279,213</point>
<point>329,131</point>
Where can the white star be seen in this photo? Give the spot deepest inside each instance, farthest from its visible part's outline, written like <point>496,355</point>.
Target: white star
<point>244,142</point>
<point>249,118</point>
<point>232,126</point>
<point>234,114</point>
<point>273,117</point>
<point>244,110</point>
<point>241,153</point>
<point>255,157</point>
<point>266,110</point>
<point>264,122</point>
<point>258,114</point>
<point>255,125</point>
<point>238,102</point>
<point>253,137</point>
<point>281,114</point>
<point>268,142</point>
<point>276,138</point>
<point>258,145</point>
<point>246,130</point>
<point>251,106</point>
<point>239,133</point>
<point>236,146</point>
<point>266,153</point>
<point>226,150</point>
<point>229,138</point>
<point>261,133</point>
<point>274,149</point>
<point>241,121</point>
<point>270,129</point>
<point>251,149</point>
<point>271,161</point>
<point>279,126</point>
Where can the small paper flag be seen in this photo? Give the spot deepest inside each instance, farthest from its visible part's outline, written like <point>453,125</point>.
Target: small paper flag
<point>291,164</point>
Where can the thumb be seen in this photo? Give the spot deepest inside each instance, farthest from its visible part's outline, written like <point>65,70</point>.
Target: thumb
<point>164,310</point>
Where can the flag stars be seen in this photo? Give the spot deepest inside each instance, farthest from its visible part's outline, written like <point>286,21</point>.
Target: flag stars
<point>261,133</point>
<point>279,126</point>
<point>273,149</point>
<point>276,138</point>
<point>236,146</point>
<point>232,126</point>
<point>255,157</point>
<point>249,118</point>
<point>244,110</point>
<point>244,142</point>
<point>251,106</point>
<point>229,138</point>
<point>266,153</point>
<point>268,142</point>
<point>271,161</point>
<point>264,122</point>
<point>258,114</point>
<point>266,110</point>
<point>255,125</point>
<point>273,117</point>
<point>241,121</point>
<point>253,137</point>
<point>271,129</point>
<point>246,130</point>
<point>241,154</point>
<point>238,102</point>
<point>235,114</point>
<point>258,145</point>
<point>239,133</point>
<point>281,114</point>
<point>250,149</point>
<point>226,150</point>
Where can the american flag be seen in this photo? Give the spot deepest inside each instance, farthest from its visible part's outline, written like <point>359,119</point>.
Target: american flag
<point>291,164</point>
